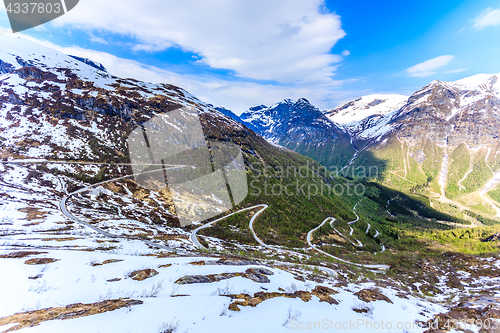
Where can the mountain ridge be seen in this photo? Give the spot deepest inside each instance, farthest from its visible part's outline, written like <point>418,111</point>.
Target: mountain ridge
<point>301,127</point>
<point>415,140</point>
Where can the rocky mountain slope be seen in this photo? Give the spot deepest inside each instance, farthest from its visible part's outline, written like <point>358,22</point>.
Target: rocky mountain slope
<point>303,128</point>
<point>65,124</point>
<point>365,112</point>
<point>445,138</point>
<point>55,108</point>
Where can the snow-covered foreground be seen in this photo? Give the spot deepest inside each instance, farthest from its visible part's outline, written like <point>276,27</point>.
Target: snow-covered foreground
<point>31,222</point>
<point>73,279</point>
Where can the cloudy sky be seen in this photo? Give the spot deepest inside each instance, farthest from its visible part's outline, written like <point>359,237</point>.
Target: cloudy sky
<point>241,53</point>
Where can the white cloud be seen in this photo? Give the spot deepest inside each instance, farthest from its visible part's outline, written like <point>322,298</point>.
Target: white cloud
<point>489,17</point>
<point>237,96</point>
<point>99,40</point>
<point>459,70</point>
<point>346,53</point>
<point>427,68</point>
<point>288,41</point>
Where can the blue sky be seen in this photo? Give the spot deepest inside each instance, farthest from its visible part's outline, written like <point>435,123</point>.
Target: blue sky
<point>240,53</point>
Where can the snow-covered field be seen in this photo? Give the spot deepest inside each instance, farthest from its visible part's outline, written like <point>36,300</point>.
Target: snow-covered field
<point>73,279</point>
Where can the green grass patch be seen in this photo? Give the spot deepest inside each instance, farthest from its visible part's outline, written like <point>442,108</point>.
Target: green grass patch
<point>495,194</point>
<point>468,241</point>
<point>458,165</point>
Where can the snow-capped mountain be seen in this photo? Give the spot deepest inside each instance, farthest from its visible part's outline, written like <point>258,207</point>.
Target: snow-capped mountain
<point>366,106</point>
<point>446,136</point>
<point>285,118</point>
<point>437,103</point>
<point>365,117</point>
<point>61,102</point>
<point>301,127</point>
<point>416,139</point>
<point>467,111</point>
<point>58,108</point>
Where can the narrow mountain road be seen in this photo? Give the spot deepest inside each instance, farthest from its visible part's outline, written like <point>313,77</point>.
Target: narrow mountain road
<point>309,238</point>
<point>388,203</point>
<point>292,265</point>
<point>194,238</point>
<point>64,209</point>
<point>349,224</point>
<point>464,177</point>
<point>359,244</point>
<point>356,220</point>
<point>351,232</point>
<point>40,161</point>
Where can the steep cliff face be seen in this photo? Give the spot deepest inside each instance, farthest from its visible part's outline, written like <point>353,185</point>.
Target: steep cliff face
<point>301,127</point>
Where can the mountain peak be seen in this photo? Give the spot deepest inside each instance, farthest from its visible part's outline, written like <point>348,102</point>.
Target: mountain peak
<point>90,62</point>
<point>366,106</point>
<point>299,126</point>
<point>258,107</point>
<point>289,101</point>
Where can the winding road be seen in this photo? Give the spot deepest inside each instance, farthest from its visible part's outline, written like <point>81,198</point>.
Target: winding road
<point>195,241</point>
<point>67,213</point>
<point>194,237</point>
<point>309,237</point>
